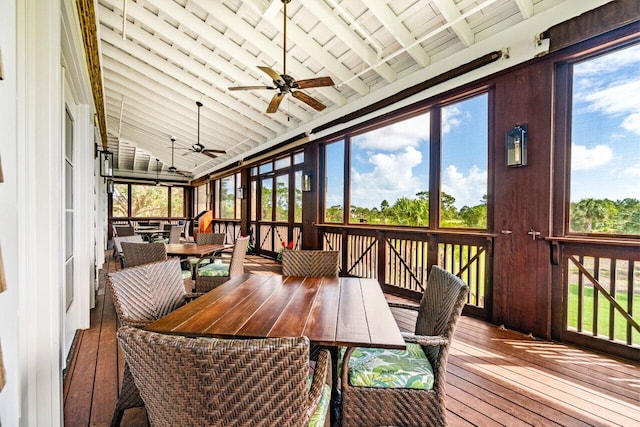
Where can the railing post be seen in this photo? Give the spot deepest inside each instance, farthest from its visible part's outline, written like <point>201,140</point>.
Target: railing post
<point>382,257</point>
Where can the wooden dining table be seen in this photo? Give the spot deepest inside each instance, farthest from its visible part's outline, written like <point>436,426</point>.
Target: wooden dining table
<point>184,250</point>
<point>345,311</point>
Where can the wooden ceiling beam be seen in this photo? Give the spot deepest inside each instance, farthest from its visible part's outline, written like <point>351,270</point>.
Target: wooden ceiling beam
<point>450,12</point>
<point>181,94</point>
<point>318,52</point>
<point>391,22</point>
<point>277,122</point>
<point>329,18</point>
<point>268,47</point>
<point>526,8</point>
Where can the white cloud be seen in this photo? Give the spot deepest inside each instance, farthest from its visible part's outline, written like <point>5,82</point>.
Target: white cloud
<point>392,177</point>
<point>604,85</point>
<point>632,123</point>
<point>450,118</point>
<point>583,158</point>
<point>616,99</point>
<point>467,190</point>
<point>610,63</point>
<point>633,170</point>
<point>396,137</point>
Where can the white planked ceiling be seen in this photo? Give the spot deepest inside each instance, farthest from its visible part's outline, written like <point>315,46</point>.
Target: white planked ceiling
<point>176,52</point>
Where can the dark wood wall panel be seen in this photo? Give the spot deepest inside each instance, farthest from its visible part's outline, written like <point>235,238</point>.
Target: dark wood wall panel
<point>522,272</point>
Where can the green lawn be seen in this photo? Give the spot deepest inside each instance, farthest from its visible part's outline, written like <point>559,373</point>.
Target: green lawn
<point>604,307</point>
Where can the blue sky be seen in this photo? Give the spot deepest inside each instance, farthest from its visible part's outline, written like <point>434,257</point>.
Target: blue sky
<point>392,162</point>
<point>605,150</point>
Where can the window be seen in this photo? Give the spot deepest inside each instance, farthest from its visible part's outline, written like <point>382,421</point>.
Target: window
<point>282,198</point>
<point>149,201</point>
<point>202,200</point>
<point>254,199</point>
<point>464,130</point>
<point>120,199</point>
<point>605,144</point>
<point>334,182</point>
<point>177,201</point>
<point>389,179</point>
<point>298,197</point>
<point>267,200</point>
<point>227,197</point>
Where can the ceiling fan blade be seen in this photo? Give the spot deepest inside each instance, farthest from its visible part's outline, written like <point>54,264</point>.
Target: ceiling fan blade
<point>275,102</point>
<point>312,102</point>
<point>273,74</point>
<point>189,151</point>
<point>211,150</point>
<point>250,87</point>
<point>206,153</point>
<point>317,82</point>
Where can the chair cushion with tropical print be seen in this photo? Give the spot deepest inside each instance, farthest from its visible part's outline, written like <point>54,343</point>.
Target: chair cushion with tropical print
<point>322,411</point>
<point>386,368</point>
<point>214,270</point>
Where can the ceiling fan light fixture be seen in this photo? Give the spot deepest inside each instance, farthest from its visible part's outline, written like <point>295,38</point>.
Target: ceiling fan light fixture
<point>285,84</point>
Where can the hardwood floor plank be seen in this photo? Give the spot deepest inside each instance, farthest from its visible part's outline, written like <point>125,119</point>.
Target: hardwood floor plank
<point>106,380</point>
<point>492,402</point>
<point>586,406</point>
<point>610,389</point>
<point>81,375</point>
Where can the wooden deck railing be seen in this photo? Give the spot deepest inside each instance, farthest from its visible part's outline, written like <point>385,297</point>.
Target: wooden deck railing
<point>601,286</point>
<point>401,259</point>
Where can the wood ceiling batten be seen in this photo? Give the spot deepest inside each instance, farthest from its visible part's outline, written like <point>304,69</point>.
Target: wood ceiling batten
<point>88,24</point>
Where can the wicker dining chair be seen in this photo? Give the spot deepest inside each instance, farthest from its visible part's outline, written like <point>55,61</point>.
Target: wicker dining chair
<point>312,263</point>
<point>123,230</point>
<point>383,396</point>
<point>210,238</point>
<point>117,246</point>
<point>215,273</point>
<point>143,253</point>
<point>218,382</point>
<point>174,234</point>
<point>141,295</point>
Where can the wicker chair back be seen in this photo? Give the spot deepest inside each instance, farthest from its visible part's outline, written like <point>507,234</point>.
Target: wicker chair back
<point>143,253</point>
<point>310,263</point>
<point>186,381</point>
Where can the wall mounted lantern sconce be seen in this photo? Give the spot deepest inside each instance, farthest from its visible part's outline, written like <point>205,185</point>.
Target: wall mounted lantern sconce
<point>106,164</point>
<point>110,186</point>
<point>240,192</point>
<point>516,146</point>
<point>306,181</point>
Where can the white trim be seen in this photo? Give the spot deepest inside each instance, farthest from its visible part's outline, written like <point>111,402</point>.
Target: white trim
<point>39,207</point>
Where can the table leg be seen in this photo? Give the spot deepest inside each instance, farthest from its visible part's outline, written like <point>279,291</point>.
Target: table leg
<point>336,398</point>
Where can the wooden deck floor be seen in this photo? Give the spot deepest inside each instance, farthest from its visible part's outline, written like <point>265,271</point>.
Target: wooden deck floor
<point>495,376</point>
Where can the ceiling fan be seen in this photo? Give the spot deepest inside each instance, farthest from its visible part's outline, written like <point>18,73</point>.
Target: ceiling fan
<point>157,182</point>
<point>285,84</point>
<point>199,148</point>
<point>172,168</point>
